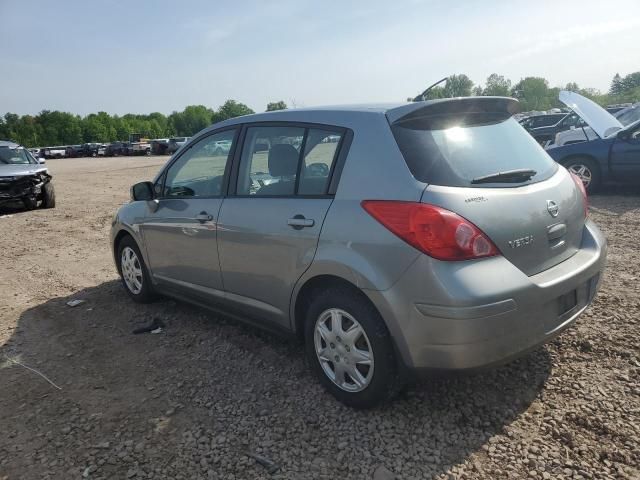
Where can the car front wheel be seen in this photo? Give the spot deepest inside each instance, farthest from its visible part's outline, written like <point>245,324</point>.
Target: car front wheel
<point>349,348</point>
<point>48,196</point>
<point>133,272</point>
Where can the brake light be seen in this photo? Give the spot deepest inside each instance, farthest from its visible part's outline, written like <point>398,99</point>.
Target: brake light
<point>585,199</point>
<point>433,230</point>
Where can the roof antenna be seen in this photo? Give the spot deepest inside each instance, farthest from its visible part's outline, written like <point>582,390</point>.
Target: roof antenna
<point>423,94</point>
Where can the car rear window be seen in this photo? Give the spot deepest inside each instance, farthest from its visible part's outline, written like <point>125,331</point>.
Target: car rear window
<point>452,151</point>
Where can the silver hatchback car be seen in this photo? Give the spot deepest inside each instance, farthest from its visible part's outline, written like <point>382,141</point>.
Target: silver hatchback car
<point>430,235</point>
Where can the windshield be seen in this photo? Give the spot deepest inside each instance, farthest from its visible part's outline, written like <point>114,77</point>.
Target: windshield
<point>13,156</point>
<point>455,155</point>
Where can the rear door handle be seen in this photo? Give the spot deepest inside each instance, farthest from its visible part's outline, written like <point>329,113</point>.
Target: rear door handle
<point>299,222</point>
<point>204,217</point>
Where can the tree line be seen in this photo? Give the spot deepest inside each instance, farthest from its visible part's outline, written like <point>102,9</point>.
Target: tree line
<point>534,93</point>
<point>50,128</point>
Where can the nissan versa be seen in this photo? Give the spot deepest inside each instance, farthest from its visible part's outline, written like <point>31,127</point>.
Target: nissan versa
<point>430,235</point>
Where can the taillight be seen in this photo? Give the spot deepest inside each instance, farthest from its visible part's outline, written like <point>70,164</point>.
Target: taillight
<point>585,199</point>
<point>433,230</point>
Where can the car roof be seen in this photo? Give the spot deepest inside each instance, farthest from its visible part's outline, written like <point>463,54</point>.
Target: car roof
<point>8,143</point>
<point>346,115</point>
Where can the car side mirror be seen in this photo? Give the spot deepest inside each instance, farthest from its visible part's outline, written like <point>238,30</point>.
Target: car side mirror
<point>41,160</point>
<point>142,191</point>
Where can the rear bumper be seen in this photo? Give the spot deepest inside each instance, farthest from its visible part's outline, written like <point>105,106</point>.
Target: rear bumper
<point>487,312</point>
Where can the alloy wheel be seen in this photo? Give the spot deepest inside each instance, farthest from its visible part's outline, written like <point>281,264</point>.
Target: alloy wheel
<point>583,172</point>
<point>343,350</point>
<point>131,270</point>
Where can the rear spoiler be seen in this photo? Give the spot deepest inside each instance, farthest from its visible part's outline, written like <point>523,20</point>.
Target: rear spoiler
<point>452,106</point>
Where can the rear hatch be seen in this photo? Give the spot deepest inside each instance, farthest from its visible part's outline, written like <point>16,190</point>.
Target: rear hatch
<point>481,164</point>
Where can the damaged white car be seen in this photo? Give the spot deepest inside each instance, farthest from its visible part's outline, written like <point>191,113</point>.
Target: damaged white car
<point>24,179</point>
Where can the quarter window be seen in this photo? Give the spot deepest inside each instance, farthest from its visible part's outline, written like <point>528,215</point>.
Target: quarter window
<point>200,170</point>
<point>320,153</point>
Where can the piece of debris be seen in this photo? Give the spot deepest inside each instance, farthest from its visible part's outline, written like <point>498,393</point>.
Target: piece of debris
<point>383,473</point>
<point>75,302</point>
<point>270,466</point>
<point>155,326</point>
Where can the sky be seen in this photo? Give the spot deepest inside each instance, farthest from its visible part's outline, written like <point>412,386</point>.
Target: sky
<point>142,56</point>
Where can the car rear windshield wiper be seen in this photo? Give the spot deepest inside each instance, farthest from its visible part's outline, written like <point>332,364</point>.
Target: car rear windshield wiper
<point>508,176</point>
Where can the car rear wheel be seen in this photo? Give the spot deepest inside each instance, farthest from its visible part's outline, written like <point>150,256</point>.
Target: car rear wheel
<point>349,348</point>
<point>48,196</point>
<point>586,170</point>
<point>133,272</point>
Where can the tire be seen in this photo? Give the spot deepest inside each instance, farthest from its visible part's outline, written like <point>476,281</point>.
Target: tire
<point>585,168</point>
<point>48,196</point>
<point>30,203</point>
<point>137,284</point>
<point>379,381</point>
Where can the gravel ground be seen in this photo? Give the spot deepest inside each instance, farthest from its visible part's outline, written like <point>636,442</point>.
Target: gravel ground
<point>211,399</point>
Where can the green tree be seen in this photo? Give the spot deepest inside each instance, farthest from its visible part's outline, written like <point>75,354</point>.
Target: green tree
<point>533,94</point>
<point>497,85</point>
<point>617,87</point>
<point>231,109</point>
<point>273,106</point>
<point>572,87</point>
<point>458,86</point>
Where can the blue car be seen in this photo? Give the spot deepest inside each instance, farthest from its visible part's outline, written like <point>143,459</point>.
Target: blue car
<point>613,156</point>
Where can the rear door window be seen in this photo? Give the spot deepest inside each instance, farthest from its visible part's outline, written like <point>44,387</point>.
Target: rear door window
<point>270,159</point>
<point>287,160</point>
<point>455,151</point>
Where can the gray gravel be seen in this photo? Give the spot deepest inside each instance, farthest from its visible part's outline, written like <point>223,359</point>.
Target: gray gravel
<point>208,398</point>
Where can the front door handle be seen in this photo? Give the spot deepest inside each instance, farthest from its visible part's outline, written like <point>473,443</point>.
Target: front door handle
<point>299,222</point>
<point>204,217</point>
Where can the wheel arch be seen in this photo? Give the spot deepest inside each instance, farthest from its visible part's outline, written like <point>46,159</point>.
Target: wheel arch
<point>314,284</point>
<point>578,156</point>
<point>122,233</point>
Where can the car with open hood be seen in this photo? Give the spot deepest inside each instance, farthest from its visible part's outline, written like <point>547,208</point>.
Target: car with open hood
<point>614,153</point>
<point>24,179</point>
<point>580,133</point>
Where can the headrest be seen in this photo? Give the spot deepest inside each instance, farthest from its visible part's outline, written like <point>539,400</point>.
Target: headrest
<point>283,160</point>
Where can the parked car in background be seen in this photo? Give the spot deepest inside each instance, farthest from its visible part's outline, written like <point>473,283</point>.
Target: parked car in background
<point>544,135</point>
<point>23,178</point>
<point>614,155</point>
<point>175,143</point>
<point>91,149</point>
<point>73,151</point>
<point>55,152</point>
<point>428,235</point>
<point>625,116</point>
<point>543,120</point>
<point>102,149</point>
<point>159,146</point>
<point>115,149</point>
<point>37,152</point>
